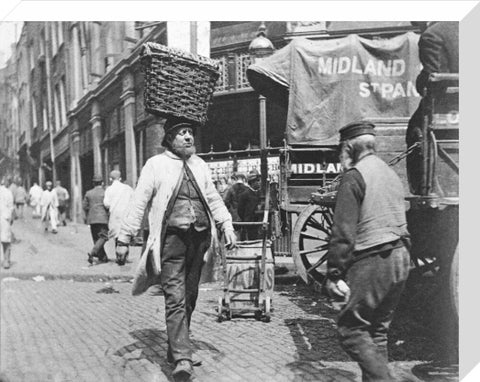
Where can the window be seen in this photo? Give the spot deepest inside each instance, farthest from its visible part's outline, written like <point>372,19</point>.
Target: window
<point>108,63</point>
<point>56,107</point>
<point>53,34</point>
<point>42,43</point>
<point>45,119</point>
<point>34,113</point>
<point>60,33</point>
<point>222,83</point>
<point>31,56</point>
<point>243,62</point>
<point>63,109</point>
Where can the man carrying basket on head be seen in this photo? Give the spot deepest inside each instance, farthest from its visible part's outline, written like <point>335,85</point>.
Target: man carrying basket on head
<point>185,211</point>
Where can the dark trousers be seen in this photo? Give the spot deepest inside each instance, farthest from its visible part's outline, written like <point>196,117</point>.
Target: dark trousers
<point>182,261</point>
<point>376,284</point>
<point>100,237</point>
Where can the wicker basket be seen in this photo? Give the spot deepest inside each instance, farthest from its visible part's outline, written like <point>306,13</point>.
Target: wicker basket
<point>178,83</point>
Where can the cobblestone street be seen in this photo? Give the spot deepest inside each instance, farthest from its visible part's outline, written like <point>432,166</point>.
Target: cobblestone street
<point>74,327</point>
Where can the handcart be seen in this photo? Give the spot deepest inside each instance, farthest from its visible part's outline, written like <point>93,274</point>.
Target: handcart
<point>248,274</point>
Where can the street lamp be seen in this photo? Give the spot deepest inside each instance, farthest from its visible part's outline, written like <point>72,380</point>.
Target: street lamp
<point>259,48</point>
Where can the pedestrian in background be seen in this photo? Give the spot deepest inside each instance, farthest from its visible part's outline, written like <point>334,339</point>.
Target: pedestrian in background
<point>49,204</point>
<point>12,186</point>
<point>6,220</point>
<point>247,205</point>
<point>117,201</point>
<point>34,196</point>
<point>20,200</point>
<point>185,211</point>
<point>97,217</point>
<point>222,186</point>
<point>63,198</point>
<point>368,249</point>
<point>233,193</point>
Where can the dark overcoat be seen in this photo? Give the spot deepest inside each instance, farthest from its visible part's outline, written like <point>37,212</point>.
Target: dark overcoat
<point>95,211</point>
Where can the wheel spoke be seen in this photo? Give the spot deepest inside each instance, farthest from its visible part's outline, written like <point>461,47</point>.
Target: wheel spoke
<point>328,217</point>
<point>324,230</point>
<point>317,264</point>
<point>312,236</point>
<point>314,223</point>
<point>316,249</point>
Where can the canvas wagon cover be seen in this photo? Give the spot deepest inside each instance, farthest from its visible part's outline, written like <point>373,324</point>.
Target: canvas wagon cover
<point>328,83</point>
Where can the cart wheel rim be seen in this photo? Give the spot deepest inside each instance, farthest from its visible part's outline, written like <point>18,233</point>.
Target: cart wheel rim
<point>310,238</point>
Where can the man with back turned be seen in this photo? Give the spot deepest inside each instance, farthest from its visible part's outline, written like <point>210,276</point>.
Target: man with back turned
<point>368,249</point>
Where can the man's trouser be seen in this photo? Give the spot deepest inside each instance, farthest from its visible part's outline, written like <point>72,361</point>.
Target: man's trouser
<point>62,213</point>
<point>51,215</point>
<point>182,261</point>
<point>376,284</point>
<point>6,249</point>
<point>37,210</point>
<point>19,207</point>
<point>100,237</point>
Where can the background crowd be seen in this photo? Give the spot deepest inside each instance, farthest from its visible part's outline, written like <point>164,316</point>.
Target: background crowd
<point>104,208</point>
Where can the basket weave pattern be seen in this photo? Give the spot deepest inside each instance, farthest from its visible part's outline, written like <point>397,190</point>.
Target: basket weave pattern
<point>177,83</point>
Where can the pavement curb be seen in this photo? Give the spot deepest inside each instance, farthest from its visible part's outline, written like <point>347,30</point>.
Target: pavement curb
<point>284,279</point>
<point>67,277</point>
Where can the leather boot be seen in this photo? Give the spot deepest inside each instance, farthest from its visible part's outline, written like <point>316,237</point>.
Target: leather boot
<point>170,359</point>
<point>183,370</point>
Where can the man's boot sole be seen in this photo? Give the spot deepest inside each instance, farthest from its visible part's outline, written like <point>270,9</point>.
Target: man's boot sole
<point>182,376</point>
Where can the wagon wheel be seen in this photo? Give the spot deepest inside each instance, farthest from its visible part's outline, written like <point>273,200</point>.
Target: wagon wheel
<point>309,245</point>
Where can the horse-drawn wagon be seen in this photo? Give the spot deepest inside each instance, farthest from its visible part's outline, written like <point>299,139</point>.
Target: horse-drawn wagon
<point>328,83</point>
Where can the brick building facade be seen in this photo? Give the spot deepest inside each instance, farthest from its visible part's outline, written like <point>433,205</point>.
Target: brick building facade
<point>75,105</point>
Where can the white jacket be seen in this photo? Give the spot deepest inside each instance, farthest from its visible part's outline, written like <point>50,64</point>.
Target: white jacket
<point>157,184</point>
<point>35,195</point>
<point>49,201</point>
<point>6,214</point>
<point>117,200</point>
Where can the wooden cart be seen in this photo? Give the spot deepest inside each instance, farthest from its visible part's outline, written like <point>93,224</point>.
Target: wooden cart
<point>248,274</point>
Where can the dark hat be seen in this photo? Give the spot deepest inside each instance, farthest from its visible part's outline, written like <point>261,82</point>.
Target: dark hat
<point>354,129</point>
<point>174,123</point>
<point>252,175</point>
<point>97,178</point>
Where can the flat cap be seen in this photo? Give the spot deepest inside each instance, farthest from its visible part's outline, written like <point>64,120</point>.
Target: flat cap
<point>253,174</point>
<point>354,129</point>
<point>97,178</point>
<point>173,123</point>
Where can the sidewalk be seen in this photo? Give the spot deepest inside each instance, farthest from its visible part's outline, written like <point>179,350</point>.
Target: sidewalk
<point>64,255</point>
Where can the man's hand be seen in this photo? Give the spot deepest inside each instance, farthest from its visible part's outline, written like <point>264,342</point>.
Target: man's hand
<point>230,239</point>
<point>338,290</point>
<point>121,251</point>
